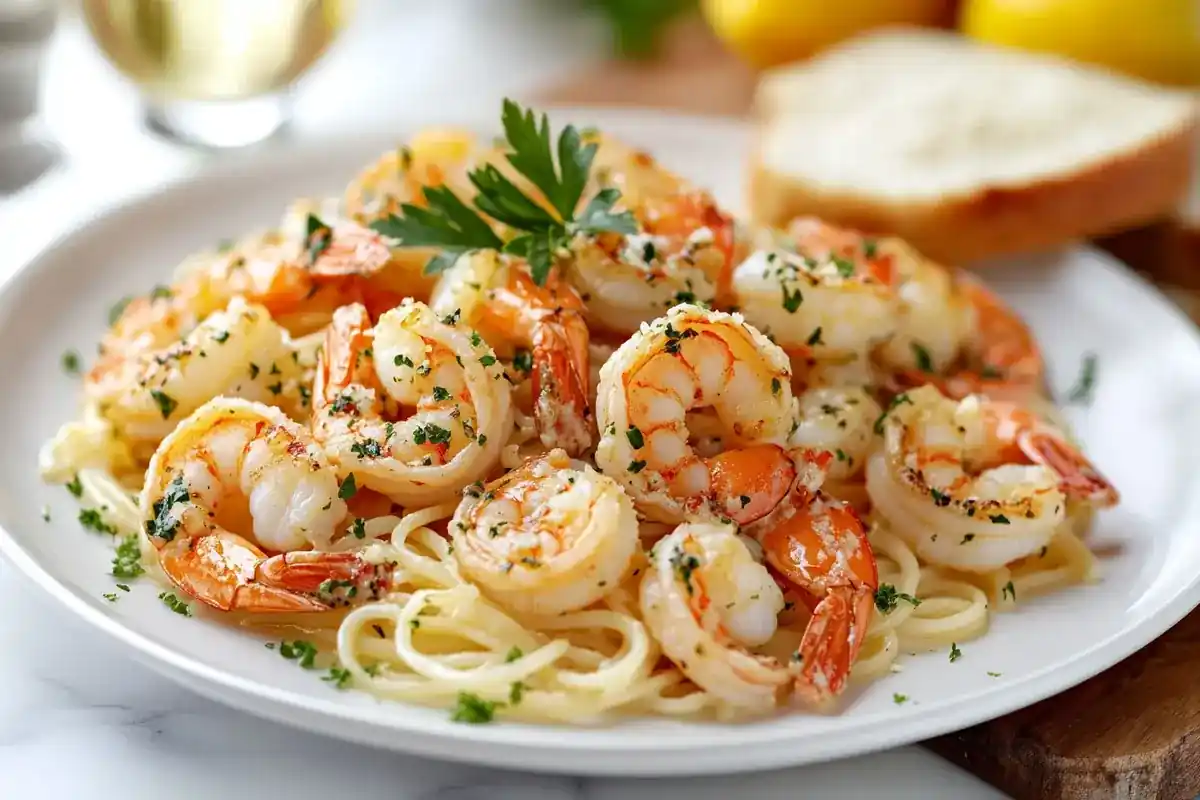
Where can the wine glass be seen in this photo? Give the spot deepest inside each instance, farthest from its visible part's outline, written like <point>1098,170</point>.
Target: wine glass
<point>215,73</point>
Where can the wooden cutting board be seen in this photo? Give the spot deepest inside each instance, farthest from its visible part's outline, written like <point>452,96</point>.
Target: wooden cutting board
<point>1130,733</point>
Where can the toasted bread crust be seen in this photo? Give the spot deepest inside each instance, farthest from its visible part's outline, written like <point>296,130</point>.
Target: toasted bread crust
<point>1129,189</point>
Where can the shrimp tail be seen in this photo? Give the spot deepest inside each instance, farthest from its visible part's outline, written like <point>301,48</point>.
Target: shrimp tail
<point>1077,476</point>
<point>336,579</point>
<point>220,569</point>
<point>562,411</point>
<point>820,547</point>
<point>342,361</point>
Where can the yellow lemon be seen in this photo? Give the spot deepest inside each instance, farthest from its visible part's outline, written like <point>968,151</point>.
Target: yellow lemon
<point>1158,40</point>
<point>769,32</point>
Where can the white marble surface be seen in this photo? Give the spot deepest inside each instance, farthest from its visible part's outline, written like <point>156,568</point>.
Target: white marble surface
<point>78,718</point>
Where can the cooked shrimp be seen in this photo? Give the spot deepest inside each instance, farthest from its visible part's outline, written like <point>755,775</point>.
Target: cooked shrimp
<point>820,292</point>
<point>956,334</point>
<point>433,157</point>
<point>497,294</point>
<point>302,277</point>
<point>839,421</point>
<point>550,536</point>
<point>682,252</point>
<point>975,484</point>
<point>820,546</point>
<point>233,481</point>
<point>687,361</point>
<point>705,599</point>
<point>238,352</point>
<point>415,408</point>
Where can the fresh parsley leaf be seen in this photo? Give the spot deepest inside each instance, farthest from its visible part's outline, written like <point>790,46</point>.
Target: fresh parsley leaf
<point>921,356</point>
<point>338,676</point>
<point>598,216</point>
<point>529,139</point>
<point>348,487</point>
<point>513,654</point>
<point>447,223</point>
<point>955,653</point>
<point>75,486</point>
<point>166,404</point>
<point>91,519</point>
<point>899,699</point>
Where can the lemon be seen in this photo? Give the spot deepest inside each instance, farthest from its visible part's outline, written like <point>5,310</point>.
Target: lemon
<point>1158,40</point>
<point>769,32</point>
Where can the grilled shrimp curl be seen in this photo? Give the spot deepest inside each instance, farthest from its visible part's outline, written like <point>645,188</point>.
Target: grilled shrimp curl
<point>688,362</point>
<point>975,484</point>
<point>416,408</point>
<point>234,481</point>
<point>237,352</point>
<point>823,294</point>
<point>497,294</point>
<point>551,536</point>
<point>706,600</point>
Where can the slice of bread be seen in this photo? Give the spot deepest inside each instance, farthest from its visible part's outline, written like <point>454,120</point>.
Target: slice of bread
<point>966,151</point>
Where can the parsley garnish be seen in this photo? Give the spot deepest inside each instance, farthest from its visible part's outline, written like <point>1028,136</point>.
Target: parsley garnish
<point>348,487</point>
<point>75,486</point>
<point>367,448</point>
<point>175,604</point>
<point>359,529</point>
<point>450,224</point>
<point>221,337</point>
<point>899,699</point>
<point>441,393</point>
<point>90,518</point>
<point>636,440</point>
<point>70,362</point>
<point>523,361</point>
<point>814,338</point>
<point>473,709</point>
<point>166,403</point>
<point>1081,392</point>
<point>163,526</point>
<point>516,692</point>
<point>110,597</point>
<point>993,674</point>
<point>897,401</point>
<point>887,598</point>
<point>402,361</point>
<point>685,564</point>
<point>869,248</point>
<point>1009,591</point>
<point>300,651</point>
<point>999,519</point>
<point>845,268</point>
<point>318,237</point>
<point>118,309</point>
<point>921,355</point>
<point>487,360</point>
<point>513,654</point>
<point>776,386</point>
<point>955,653</point>
<point>127,563</point>
<point>939,498</point>
<point>338,676</point>
<point>791,300</point>
<point>434,434</point>
<point>636,466</point>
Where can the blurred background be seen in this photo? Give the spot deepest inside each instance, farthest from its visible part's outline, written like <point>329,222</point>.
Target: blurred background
<point>130,91</point>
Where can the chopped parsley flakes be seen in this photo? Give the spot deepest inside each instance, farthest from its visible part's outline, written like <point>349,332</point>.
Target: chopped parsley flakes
<point>71,363</point>
<point>166,404</point>
<point>300,651</point>
<point>348,487</point>
<point>955,653</point>
<point>175,604</point>
<point>887,598</point>
<point>473,709</point>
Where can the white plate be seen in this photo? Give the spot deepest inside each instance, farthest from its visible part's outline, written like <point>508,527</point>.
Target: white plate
<point>1143,430</point>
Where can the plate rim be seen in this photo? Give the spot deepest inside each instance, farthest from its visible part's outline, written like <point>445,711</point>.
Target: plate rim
<point>558,751</point>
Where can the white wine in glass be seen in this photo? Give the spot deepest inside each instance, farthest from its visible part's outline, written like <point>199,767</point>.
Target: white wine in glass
<point>215,72</point>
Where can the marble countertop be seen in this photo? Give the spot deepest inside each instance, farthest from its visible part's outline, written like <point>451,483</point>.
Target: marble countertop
<point>78,717</point>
